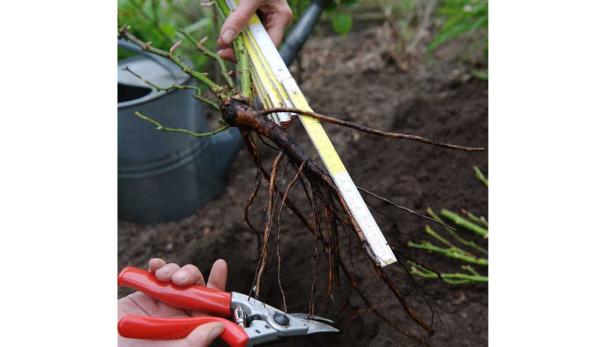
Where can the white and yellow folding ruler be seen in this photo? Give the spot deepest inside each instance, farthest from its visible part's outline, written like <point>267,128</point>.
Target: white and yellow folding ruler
<point>277,88</point>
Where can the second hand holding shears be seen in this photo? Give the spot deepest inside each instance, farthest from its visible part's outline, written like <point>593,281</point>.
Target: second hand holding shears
<point>247,321</point>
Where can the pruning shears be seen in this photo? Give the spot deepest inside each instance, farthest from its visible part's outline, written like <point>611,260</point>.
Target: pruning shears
<point>247,321</point>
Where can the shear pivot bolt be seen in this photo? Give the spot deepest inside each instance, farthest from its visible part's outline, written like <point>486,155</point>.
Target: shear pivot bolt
<point>281,319</point>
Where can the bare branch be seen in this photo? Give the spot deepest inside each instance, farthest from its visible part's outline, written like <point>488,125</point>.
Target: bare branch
<point>199,96</point>
<point>161,127</point>
<point>219,91</point>
<point>199,45</point>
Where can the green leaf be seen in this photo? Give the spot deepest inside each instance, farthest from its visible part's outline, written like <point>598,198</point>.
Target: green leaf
<point>342,23</point>
<point>448,34</point>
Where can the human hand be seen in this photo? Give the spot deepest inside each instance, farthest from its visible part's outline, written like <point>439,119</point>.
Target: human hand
<point>275,16</point>
<point>141,304</point>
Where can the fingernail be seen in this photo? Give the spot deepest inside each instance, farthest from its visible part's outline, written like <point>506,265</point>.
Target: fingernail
<point>228,36</point>
<point>219,51</point>
<point>215,332</point>
<point>181,276</point>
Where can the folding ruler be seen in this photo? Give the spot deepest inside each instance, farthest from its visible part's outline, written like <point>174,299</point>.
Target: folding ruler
<point>277,88</point>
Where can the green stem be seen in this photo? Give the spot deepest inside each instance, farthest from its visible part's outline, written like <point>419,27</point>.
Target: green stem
<point>240,53</point>
<point>161,127</point>
<point>451,278</point>
<point>432,214</point>
<point>242,67</point>
<point>219,91</point>
<point>480,176</point>
<point>434,234</point>
<point>453,253</point>
<point>199,96</point>
<point>457,237</point>
<point>207,101</point>
<point>470,269</point>
<point>479,220</point>
<point>458,220</point>
<point>437,236</point>
<point>210,54</point>
<point>222,7</point>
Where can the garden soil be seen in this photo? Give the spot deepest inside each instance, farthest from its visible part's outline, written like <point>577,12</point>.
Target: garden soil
<point>354,78</point>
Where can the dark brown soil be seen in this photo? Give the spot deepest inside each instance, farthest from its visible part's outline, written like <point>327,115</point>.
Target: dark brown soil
<point>354,79</point>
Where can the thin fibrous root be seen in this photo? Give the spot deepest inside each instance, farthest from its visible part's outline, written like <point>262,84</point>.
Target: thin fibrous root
<point>278,257</point>
<point>268,224</point>
<point>248,205</point>
<point>405,209</point>
<point>368,130</point>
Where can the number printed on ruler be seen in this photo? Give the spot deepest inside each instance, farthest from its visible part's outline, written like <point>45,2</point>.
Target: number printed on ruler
<point>364,219</point>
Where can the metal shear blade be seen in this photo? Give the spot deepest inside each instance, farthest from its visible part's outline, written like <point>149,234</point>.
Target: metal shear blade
<point>315,327</point>
<point>311,317</point>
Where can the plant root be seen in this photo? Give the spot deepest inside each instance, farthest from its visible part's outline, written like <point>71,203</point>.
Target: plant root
<point>371,131</point>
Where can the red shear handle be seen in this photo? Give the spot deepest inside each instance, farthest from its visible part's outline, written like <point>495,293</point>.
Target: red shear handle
<point>152,328</point>
<point>214,301</point>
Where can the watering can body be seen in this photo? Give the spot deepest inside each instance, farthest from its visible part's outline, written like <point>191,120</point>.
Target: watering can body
<point>163,176</point>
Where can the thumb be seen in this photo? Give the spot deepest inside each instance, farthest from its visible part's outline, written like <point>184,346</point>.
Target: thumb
<point>237,21</point>
<point>203,335</point>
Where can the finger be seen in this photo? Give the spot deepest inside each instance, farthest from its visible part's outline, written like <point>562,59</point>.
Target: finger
<point>227,54</point>
<point>187,275</point>
<point>236,22</point>
<point>218,275</point>
<point>277,22</point>
<point>164,273</point>
<point>155,264</point>
<point>203,335</point>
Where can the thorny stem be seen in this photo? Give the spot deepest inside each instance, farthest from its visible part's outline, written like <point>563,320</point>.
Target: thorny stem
<point>161,127</point>
<point>242,68</point>
<point>470,269</point>
<point>456,236</point>
<point>368,130</point>
<point>479,220</point>
<point>201,48</point>
<point>480,176</point>
<point>218,90</point>
<point>454,253</point>
<point>222,7</point>
<point>437,236</point>
<point>452,278</point>
<point>199,96</point>
<point>459,220</point>
<point>452,248</point>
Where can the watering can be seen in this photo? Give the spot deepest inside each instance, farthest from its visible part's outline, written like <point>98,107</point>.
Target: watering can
<point>165,176</point>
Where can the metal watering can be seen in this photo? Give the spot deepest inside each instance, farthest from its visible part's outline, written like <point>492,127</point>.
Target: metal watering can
<point>165,176</point>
